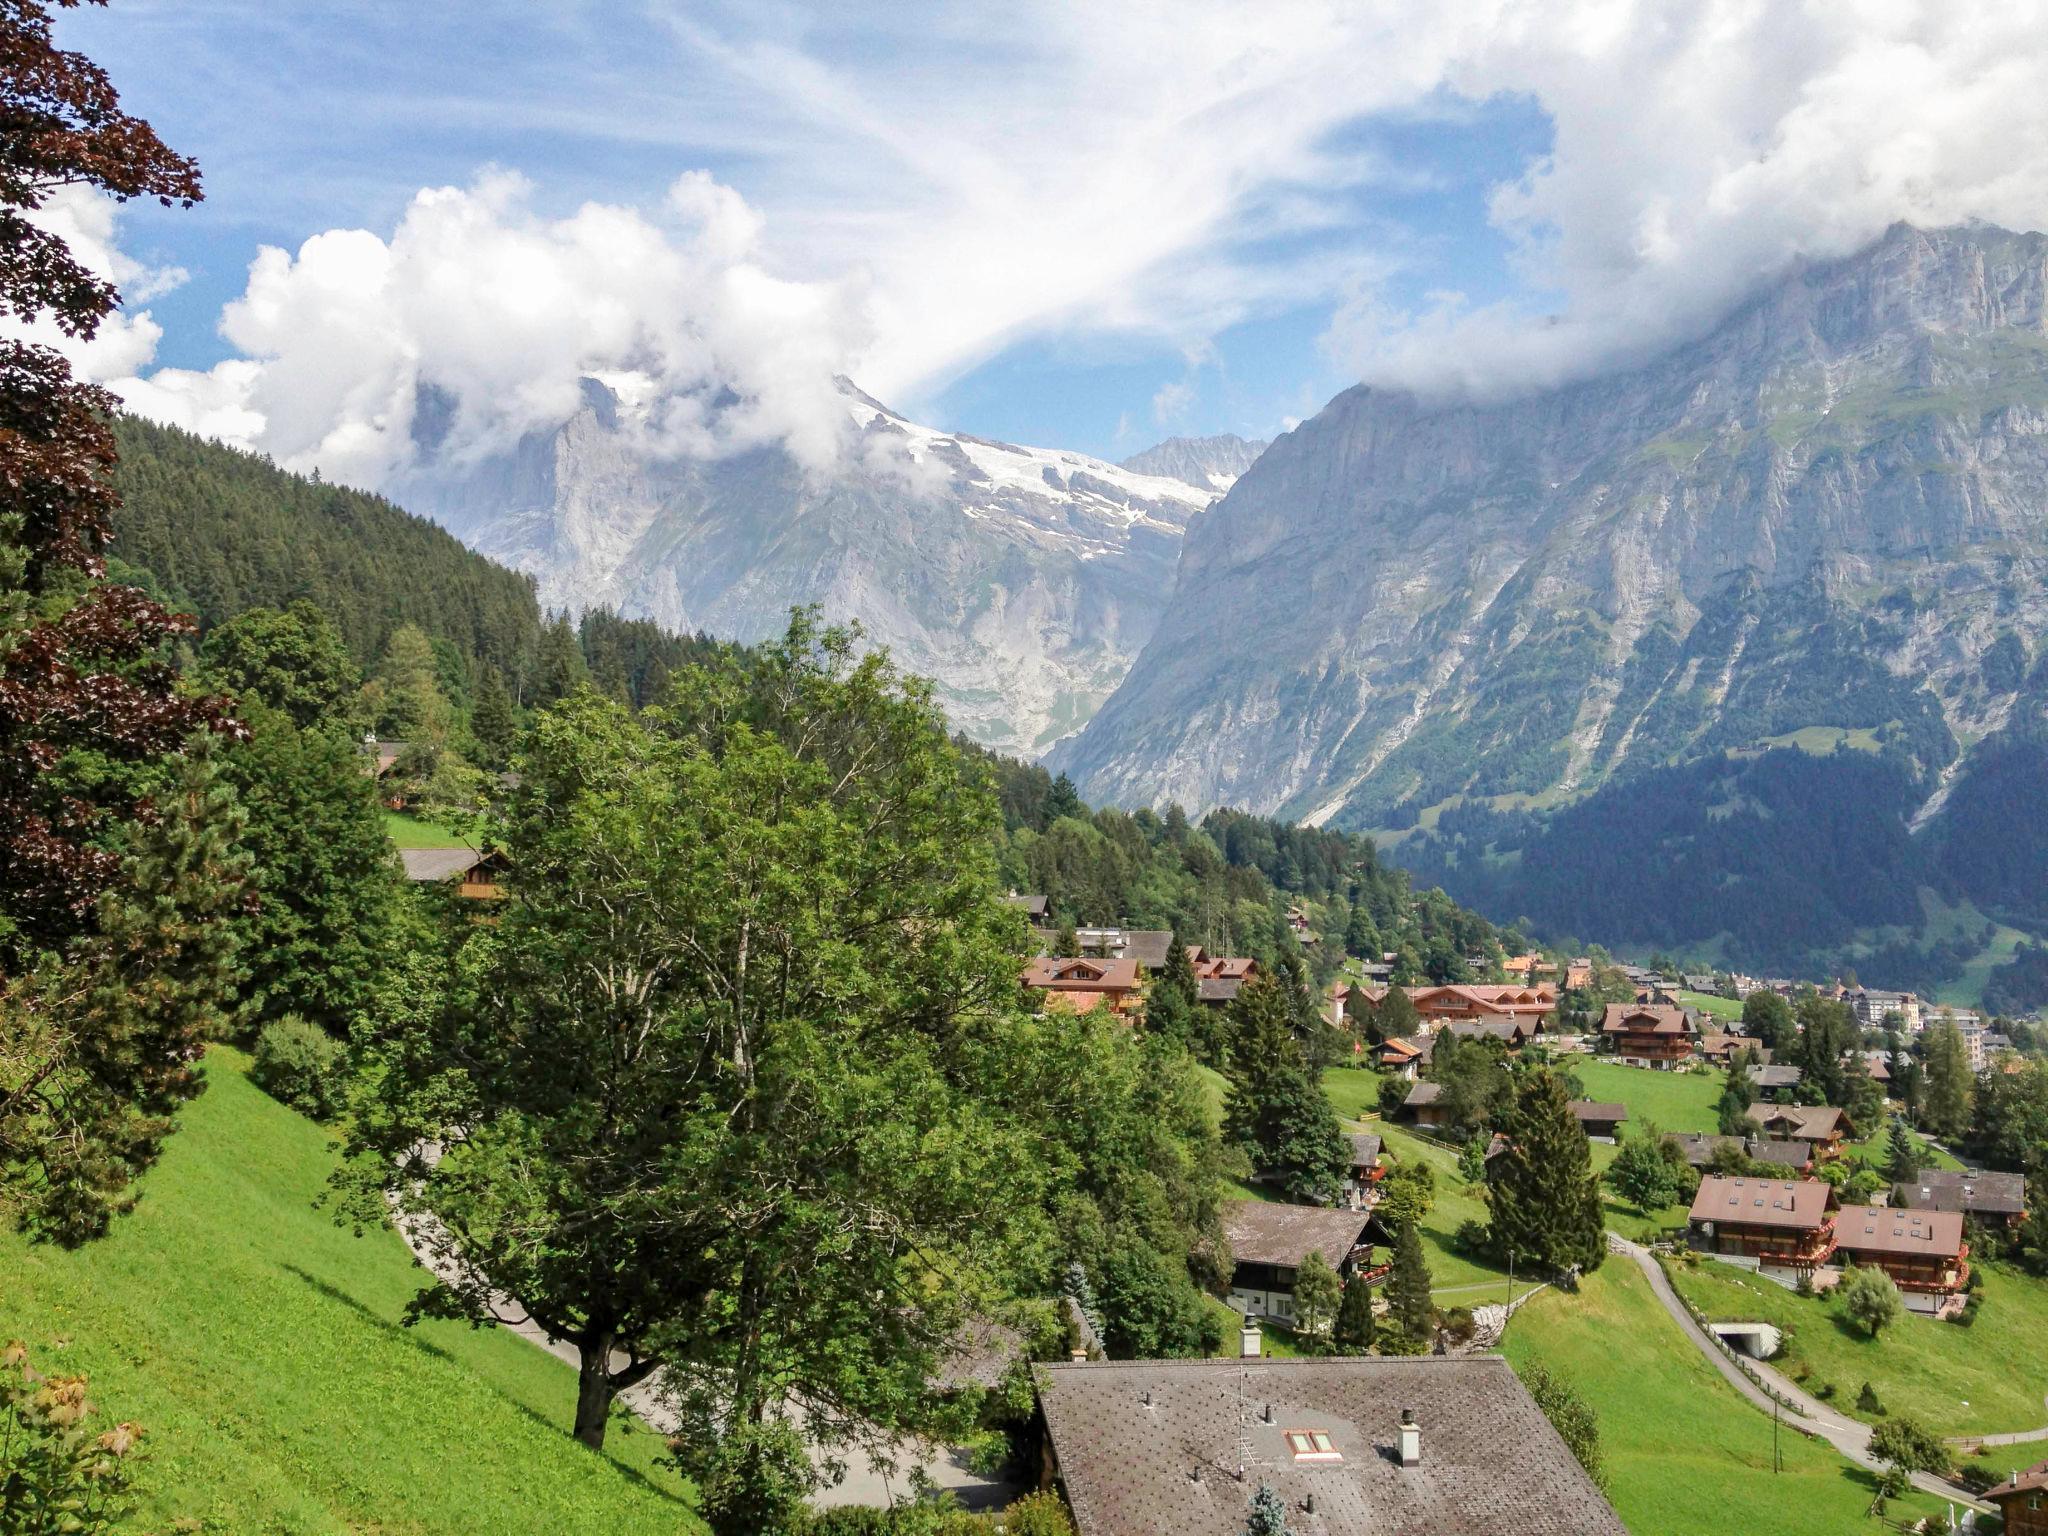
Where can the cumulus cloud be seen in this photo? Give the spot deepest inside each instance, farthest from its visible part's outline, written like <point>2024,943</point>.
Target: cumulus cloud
<point>496,315</point>
<point>127,339</point>
<point>926,185</point>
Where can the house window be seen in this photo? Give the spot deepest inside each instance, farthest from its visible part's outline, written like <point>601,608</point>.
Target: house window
<point>1312,1445</point>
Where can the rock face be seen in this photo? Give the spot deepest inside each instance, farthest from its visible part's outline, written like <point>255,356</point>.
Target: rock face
<point>1823,517</point>
<point>1206,463</point>
<point>1023,580</point>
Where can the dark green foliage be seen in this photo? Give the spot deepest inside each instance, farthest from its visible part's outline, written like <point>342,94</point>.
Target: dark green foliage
<point>2030,1244</point>
<point>228,531</point>
<point>1474,1077</point>
<point>1826,1031</point>
<point>1545,1200</point>
<point>1867,1401</point>
<point>324,875</point>
<point>1570,1415</point>
<point>1768,1017</point>
<point>1411,1317</point>
<point>1266,1514</point>
<point>1904,1442</point>
<point>1945,1101</point>
<point>755,1482</point>
<point>1650,1171</point>
<point>1276,1111</point>
<point>1738,1093</point>
<point>1902,1157</point>
<point>294,661</point>
<point>2021,984</point>
<point>2009,1120</point>
<point>1317,1295</point>
<point>1356,1324</point>
<point>300,1064</point>
<point>493,723</point>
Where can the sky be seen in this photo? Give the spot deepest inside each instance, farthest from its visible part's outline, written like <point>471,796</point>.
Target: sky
<point>1078,226</point>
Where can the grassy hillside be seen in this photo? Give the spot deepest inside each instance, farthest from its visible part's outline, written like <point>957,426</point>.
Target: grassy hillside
<point>260,1346</point>
<point>1677,1101</point>
<point>1686,1455</point>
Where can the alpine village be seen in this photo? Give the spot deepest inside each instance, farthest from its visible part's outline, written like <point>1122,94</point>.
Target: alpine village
<point>471,1063</point>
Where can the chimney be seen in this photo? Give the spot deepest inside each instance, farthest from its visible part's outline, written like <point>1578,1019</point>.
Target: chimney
<point>1411,1439</point>
<point>1267,1415</point>
<point>1248,1340</point>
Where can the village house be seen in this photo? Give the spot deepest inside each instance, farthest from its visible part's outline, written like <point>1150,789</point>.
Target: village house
<point>1401,1058</point>
<point>1353,1447</point>
<point>1774,1082</point>
<point>1362,1178</point>
<point>1578,974</point>
<point>1720,1047</point>
<point>1270,1242</point>
<point>1923,1252</point>
<point>1449,1004</point>
<point>1081,984</point>
<point>1819,1126</point>
<point>2022,1501</point>
<point>1218,980</point>
<point>1794,1158</point>
<point>1992,1199</point>
<point>1146,946</point>
<point>1600,1122</point>
<point>1783,1228</point>
<point>1033,907</point>
<point>477,876</point>
<point>1424,1105</point>
<point>1649,1034</point>
<point>1512,1033</point>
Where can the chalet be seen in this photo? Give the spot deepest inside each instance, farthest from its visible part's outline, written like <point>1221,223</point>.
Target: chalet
<point>2022,1501</point>
<point>1353,1447</point>
<point>1146,946</point>
<point>1270,1242</point>
<point>1218,980</point>
<point>1795,1158</point>
<point>1362,1177</point>
<point>1424,1105</point>
<point>1774,1081</point>
<point>1701,981</point>
<point>1923,1252</point>
<point>1877,1063</point>
<point>1720,1047</point>
<point>1699,1150</point>
<point>1401,1058</point>
<point>1820,1126</point>
<point>1578,974</point>
<point>1649,1034</point>
<point>1342,993</point>
<point>1781,1226</point>
<point>478,876</point>
<point>1993,1199</point>
<point>1600,1122</point>
<point>1033,907</point>
<point>1512,1033</point>
<point>1083,984</point>
<point>1448,1004</point>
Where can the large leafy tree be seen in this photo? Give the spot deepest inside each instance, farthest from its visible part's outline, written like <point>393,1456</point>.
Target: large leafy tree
<point>294,660</point>
<point>732,1080</point>
<point>1650,1170</point>
<point>1544,1195</point>
<point>110,863</point>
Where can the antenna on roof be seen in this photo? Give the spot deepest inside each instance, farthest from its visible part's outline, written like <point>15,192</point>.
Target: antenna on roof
<point>1244,1450</point>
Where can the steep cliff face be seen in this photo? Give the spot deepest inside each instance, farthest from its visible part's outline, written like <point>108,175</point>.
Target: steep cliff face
<point>1023,580</point>
<point>1207,463</point>
<point>1824,523</point>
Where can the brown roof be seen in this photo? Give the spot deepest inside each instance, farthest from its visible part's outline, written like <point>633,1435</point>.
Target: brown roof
<point>1154,1448</point>
<point>1788,1154</point>
<point>1879,1229</point>
<point>1646,1018</point>
<point>1797,1204</point>
<point>1365,1149</point>
<point>1218,989</point>
<point>1802,1122</point>
<point>1227,965</point>
<point>1997,1194</point>
<point>1423,1093</point>
<point>1590,1109</point>
<point>1395,1046</point>
<point>1081,975</point>
<point>2032,1480</point>
<point>1265,1233</point>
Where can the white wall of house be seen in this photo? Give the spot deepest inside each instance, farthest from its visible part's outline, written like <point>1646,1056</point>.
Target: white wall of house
<point>1278,1304</point>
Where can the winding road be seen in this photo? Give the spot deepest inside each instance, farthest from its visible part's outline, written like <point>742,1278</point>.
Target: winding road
<point>1802,1411</point>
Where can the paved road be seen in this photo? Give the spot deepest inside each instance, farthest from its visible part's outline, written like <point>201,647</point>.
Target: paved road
<point>1847,1435</point>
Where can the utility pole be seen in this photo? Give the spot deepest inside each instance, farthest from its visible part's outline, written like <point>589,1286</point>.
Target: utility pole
<point>1777,1418</point>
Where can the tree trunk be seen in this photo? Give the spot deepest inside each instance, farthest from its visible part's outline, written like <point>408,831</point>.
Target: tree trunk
<point>594,1390</point>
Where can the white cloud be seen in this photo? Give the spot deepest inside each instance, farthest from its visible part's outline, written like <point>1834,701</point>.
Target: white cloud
<point>926,184</point>
<point>127,339</point>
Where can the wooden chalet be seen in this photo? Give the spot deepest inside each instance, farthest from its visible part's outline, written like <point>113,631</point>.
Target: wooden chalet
<point>2022,1501</point>
<point>1424,1105</point>
<point>1991,1199</point>
<point>1600,1122</point>
<point>1784,1226</point>
<point>1449,1004</point>
<point>1820,1126</point>
<point>1400,1058</point>
<point>1083,983</point>
<point>1270,1242</point>
<point>1649,1034</point>
<point>1719,1047</point>
<point>478,876</point>
<point>1218,979</point>
<point>1923,1252</point>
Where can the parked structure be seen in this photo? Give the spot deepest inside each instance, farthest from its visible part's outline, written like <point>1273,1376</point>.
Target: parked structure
<point>1353,1447</point>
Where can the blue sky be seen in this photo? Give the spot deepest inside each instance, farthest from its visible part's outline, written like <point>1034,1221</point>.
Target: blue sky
<point>1087,227</point>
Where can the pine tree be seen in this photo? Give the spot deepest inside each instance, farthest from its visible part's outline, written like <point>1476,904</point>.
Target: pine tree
<point>1267,1514</point>
<point>1410,1311</point>
<point>492,722</point>
<point>1945,1104</point>
<point>1355,1322</point>
<point>561,670</point>
<point>1276,1111</point>
<point>1545,1198</point>
<point>1737,1094</point>
<point>1902,1158</point>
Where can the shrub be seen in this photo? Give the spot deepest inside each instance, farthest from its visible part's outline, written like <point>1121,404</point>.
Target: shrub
<point>1471,1236</point>
<point>1459,1325</point>
<point>299,1064</point>
<point>1870,1297</point>
<point>1905,1442</point>
<point>1866,1400</point>
<point>60,1470</point>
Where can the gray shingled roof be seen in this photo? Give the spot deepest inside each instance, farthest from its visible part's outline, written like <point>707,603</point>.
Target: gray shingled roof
<point>436,863</point>
<point>1265,1233</point>
<point>1938,1189</point>
<point>1771,1078</point>
<point>1151,1448</point>
<point>1365,1149</point>
<point>1218,989</point>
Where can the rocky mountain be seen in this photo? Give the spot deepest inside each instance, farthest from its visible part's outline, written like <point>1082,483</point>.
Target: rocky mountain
<point>1206,463</point>
<point>1023,580</point>
<point>1819,531</point>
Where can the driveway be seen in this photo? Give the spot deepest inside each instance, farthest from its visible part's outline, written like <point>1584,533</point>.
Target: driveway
<point>1849,1436</point>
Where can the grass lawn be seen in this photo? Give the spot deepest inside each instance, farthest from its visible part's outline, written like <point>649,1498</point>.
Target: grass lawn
<point>1874,1148</point>
<point>407,831</point>
<point>1726,1009</point>
<point>1988,1378</point>
<point>260,1346</point>
<point>1677,1101</point>
<point>1685,1455</point>
<point>1354,1092</point>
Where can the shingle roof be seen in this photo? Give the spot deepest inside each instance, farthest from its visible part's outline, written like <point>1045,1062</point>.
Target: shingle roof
<point>1699,1150</point>
<point>1265,1233</point>
<point>1880,1229</point>
<point>1084,973</point>
<point>1365,1149</point>
<point>1799,1204</point>
<point>2031,1480</point>
<point>1218,989</point>
<point>1423,1093</point>
<point>1152,1448</point>
<point>1590,1109</point>
<point>1646,1018</point>
<point>1783,1154</point>
<point>1998,1194</point>
<point>437,863</point>
<point>1804,1122</point>
<point>1774,1077</point>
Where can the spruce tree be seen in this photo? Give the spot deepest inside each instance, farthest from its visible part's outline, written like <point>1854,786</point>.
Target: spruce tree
<point>1901,1157</point>
<point>1545,1198</point>
<point>1355,1322</point>
<point>1411,1314</point>
<point>1267,1514</point>
<point>1737,1094</point>
<point>562,670</point>
<point>1276,1111</point>
<point>1945,1105</point>
<point>492,722</point>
